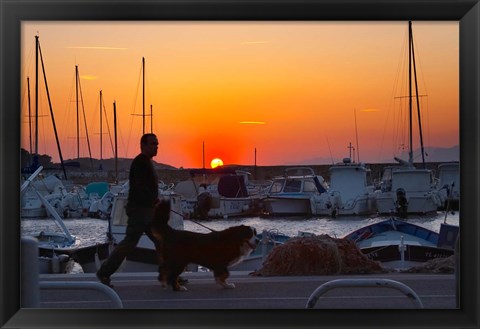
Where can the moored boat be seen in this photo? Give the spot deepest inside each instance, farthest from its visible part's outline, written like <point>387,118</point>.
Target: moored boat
<point>218,193</point>
<point>398,243</point>
<point>407,190</point>
<point>349,193</point>
<point>291,194</point>
<point>449,184</point>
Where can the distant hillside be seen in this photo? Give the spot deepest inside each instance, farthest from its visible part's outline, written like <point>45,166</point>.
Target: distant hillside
<point>433,154</point>
<point>107,164</point>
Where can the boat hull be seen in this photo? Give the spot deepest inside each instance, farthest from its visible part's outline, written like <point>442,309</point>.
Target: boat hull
<point>384,241</point>
<point>419,203</point>
<point>362,205</point>
<point>284,206</point>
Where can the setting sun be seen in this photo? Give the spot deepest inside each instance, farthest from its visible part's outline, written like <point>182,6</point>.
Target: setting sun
<point>216,163</point>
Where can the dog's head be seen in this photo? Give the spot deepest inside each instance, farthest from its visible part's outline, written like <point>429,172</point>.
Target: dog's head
<point>249,237</point>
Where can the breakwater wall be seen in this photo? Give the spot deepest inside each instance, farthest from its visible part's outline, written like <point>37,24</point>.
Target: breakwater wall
<point>173,175</point>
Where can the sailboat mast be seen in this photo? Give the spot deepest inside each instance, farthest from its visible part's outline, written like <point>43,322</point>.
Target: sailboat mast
<point>410,153</point>
<point>143,93</point>
<point>255,164</point>
<point>203,154</point>
<point>84,121</point>
<point>101,146</point>
<point>115,134</point>
<point>151,118</point>
<point>418,105</point>
<point>37,47</point>
<point>51,111</point>
<point>78,120</point>
<point>29,115</point>
<point>356,134</point>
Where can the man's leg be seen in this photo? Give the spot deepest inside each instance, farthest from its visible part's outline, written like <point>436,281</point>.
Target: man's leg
<point>113,262</point>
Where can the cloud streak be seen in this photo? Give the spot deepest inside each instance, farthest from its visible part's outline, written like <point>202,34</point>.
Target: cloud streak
<point>252,122</point>
<point>96,48</point>
<point>255,42</point>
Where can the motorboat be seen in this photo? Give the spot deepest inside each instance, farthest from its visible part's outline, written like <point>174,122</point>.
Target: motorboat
<point>398,244</point>
<point>291,193</point>
<point>449,184</point>
<point>349,193</point>
<point>218,193</point>
<point>407,190</point>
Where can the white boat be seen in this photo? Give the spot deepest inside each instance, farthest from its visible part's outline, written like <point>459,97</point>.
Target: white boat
<point>449,184</point>
<point>400,244</point>
<point>350,192</point>
<point>51,187</point>
<point>218,193</point>
<point>406,189</point>
<point>291,194</point>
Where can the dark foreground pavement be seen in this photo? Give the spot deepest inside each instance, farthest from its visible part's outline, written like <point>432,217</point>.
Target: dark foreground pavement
<point>142,290</point>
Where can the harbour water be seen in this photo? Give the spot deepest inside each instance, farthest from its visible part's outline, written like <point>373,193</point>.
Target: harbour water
<point>89,231</point>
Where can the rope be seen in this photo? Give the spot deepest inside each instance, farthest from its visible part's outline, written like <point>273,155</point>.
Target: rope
<point>204,226</point>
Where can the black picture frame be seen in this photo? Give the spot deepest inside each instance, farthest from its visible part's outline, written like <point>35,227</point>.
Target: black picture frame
<point>12,12</point>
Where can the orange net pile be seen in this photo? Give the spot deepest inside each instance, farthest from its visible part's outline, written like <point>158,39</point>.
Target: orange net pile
<point>436,265</point>
<point>317,255</point>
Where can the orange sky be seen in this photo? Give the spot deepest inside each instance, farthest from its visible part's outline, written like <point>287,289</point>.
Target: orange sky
<point>290,90</point>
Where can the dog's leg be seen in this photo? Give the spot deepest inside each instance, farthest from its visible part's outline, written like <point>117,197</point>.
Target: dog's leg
<point>173,279</point>
<point>163,276</point>
<point>221,276</point>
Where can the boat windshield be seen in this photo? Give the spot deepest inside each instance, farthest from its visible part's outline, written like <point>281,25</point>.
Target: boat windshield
<point>292,185</point>
<point>277,186</point>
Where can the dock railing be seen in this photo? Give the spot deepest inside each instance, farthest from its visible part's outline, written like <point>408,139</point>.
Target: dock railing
<point>30,284</point>
<point>363,283</point>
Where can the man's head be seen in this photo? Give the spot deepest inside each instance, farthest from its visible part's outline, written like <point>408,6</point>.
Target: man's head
<point>149,145</point>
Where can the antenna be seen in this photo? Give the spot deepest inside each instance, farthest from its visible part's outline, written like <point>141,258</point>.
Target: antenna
<point>356,133</point>
<point>330,150</point>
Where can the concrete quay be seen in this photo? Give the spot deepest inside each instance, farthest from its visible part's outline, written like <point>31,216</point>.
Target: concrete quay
<point>143,291</point>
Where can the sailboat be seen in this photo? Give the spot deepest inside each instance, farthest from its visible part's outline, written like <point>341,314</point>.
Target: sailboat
<point>405,189</point>
<point>57,251</point>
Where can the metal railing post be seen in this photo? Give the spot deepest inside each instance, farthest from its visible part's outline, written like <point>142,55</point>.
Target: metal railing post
<point>30,292</point>
<point>81,285</point>
<point>363,283</point>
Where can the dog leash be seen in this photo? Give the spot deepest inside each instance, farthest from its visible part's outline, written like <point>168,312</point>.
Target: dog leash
<point>208,228</point>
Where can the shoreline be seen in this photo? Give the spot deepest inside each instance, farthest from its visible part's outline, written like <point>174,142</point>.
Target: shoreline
<point>175,175</point>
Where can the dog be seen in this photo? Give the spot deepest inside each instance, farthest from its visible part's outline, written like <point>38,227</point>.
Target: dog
<point>216,250</point>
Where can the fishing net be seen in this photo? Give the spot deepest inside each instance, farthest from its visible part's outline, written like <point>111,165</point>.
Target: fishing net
<point>436,265</point>
<point>317,255</point>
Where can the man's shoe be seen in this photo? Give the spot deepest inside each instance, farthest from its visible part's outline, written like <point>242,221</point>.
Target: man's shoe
<point>105,280</point>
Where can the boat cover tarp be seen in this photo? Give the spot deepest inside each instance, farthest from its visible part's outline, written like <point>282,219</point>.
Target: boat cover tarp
<point>232,187</point>
<point>99,188</point>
